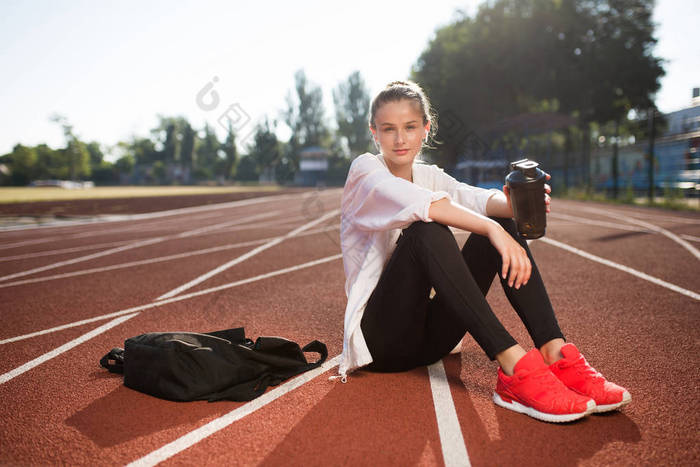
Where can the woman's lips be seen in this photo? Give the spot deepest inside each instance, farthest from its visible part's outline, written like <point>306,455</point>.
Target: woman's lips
<point>401,151</point>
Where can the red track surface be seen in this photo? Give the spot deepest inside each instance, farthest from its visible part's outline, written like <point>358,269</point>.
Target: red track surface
<point>67,410</point>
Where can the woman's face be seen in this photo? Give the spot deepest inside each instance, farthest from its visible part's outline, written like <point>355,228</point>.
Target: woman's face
<point>399,130</point>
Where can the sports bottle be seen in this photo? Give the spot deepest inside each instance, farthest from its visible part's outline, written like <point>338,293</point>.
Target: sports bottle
<point>526,185</point>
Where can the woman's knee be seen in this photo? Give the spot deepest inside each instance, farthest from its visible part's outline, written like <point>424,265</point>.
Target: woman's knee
<point>427,229</point>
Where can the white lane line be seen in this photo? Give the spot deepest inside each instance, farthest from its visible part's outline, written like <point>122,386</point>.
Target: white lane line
<point>175,212</point>
<point>218,424</point>
<point>158,259</point>
<point>247,255</point>
<point>4,378</point>
<point>28,242</point>
<point>130,246</point>
<point>612,264</point>
<point>612,225</point>
<point>80,259</point>
<point>63,250</point>
<point>692,238</point>
<point>454,451</point>
<point>176,299</point>
<point>682,220</point>
<point>694,251</point>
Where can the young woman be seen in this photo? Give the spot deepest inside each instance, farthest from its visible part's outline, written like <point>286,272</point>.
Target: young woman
<point>397,246</point>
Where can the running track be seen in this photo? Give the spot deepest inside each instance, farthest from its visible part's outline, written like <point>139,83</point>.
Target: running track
<point>624,281</point>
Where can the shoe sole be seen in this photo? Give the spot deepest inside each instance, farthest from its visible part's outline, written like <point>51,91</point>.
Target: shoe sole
<point>545,417</point>
<point>626,399</point>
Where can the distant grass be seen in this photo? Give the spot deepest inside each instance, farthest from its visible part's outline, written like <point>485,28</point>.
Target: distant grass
<point>671,199</point>
<point>31,194</point>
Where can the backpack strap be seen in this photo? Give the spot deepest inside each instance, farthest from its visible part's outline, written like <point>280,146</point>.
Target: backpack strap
<point>234,335</point>
<point>114,360</point>
<point>318,347</point>
<point>251,389</point>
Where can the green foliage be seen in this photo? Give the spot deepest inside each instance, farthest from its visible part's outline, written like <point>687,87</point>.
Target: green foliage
<point>230,154</point>
<point>208,152</point>
<point>158,172</point>
<point>265,150</point>
<point>188,136</point>
<point>588,59</point>
<point>22,161</point>
<point>247,169</point>
<point>125,164</point>
<point>305,113</point>
<point>96,154</point>
<point>351,99</point>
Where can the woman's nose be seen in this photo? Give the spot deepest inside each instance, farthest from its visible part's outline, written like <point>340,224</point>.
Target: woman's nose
<point>400,136</point>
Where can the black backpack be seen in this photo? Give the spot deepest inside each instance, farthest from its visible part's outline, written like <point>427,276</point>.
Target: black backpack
<point>219,365</point>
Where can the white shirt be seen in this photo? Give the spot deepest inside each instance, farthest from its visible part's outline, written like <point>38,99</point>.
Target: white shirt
<point>375,206</point>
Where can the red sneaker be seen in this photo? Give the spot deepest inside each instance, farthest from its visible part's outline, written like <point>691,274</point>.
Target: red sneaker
<point>535,391</point>
<point>574,371</point>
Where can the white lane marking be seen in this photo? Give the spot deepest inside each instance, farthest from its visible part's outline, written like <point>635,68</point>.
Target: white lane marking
<point>683,220</point>
<point>694,251</point>
<point>193,437</point>
<point>28,242</point>
<point>579,220</point>
<point>176,299</point>
<point>454,451</point>
<point>690,237</point>
<point>158,259</point>
<point>174,212</point>
<point>80,259</point>
<point>612,264</point>
<point>4,378</point>
<point>63,250</point>
<point>612,225</point>
<point>129,246</point>
<point>253,252</point>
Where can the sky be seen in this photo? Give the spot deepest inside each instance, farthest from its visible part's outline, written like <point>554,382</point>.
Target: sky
<point>111,67</point>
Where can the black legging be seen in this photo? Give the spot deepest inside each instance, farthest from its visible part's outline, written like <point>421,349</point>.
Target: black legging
<point>404,328</point>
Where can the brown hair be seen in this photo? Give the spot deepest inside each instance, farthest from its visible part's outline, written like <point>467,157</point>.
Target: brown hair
<point>397,90</point>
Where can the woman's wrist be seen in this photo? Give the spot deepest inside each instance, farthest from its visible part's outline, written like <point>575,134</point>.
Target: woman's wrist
<point>493,228</point>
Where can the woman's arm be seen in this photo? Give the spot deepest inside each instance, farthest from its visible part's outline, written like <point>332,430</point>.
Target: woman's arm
<point>448,212</point>
<point>499,205</point>
<point>514,256</point>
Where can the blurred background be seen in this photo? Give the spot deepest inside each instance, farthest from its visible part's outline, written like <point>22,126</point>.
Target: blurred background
<point>604,95</point>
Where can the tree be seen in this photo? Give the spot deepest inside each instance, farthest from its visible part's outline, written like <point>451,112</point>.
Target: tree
<point>187,153</point>
<point>247,170</point>
<point>265,150</point>
<point>47,162</point>
<point>125,164</point>
<point>96,154</point>
<point>208,151</point>
<point>143,150</point>
<point>587,58</point>
<point>352,100</point>
<point>75,155</point>
<point>305,114</point>
<point>22,165</point>
<point>230,152</point>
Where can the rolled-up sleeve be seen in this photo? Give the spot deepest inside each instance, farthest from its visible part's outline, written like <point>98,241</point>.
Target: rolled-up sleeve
<point>471,197</point>
<point>375,199</point>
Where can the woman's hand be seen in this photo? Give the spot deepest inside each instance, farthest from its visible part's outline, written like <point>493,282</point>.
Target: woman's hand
<point>547,189</point>
<point>515,259</point>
